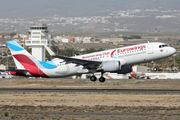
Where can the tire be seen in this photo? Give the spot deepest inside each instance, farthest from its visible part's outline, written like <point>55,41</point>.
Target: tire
<point>93,78</point>
<point>102,79</point>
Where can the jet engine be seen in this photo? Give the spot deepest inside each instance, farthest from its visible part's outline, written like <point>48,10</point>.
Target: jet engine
<point>115,67</point>
<point>111,66</point>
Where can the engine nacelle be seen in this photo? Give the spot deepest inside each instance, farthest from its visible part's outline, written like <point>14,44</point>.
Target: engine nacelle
<point>111,66</point>
<point>125,69</point>
<point>115,66</point>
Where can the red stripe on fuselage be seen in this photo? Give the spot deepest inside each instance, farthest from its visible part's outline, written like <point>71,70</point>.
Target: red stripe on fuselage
<point>113,53</point>
<point>28,64</point>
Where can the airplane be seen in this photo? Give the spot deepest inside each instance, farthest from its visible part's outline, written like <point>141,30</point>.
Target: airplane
<point>118,60</point>
<point>138,75</point>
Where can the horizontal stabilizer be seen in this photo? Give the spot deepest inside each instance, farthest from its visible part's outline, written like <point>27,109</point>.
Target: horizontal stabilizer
<point>16,70</point>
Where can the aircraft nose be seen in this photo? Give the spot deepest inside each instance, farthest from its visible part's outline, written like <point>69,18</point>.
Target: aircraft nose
<point>173,50</point>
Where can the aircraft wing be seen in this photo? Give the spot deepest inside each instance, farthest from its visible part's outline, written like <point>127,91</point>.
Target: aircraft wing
<point>89,64</point>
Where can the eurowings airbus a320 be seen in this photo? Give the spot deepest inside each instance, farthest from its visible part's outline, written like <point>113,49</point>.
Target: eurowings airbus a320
<point>118,60</point>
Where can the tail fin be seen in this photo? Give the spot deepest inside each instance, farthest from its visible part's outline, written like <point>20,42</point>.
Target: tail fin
<point>27,65</point>
<point>21,57</point>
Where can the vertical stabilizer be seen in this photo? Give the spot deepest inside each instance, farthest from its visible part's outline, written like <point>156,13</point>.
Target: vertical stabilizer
<point>20,55</point>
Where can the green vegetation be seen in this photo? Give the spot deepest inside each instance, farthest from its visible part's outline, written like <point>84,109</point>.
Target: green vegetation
<point>132,37</point>
<point>13,33</point>
<point>12,117</point>
<point>6,113</point>
<point>166,62</point>
<point>169,62</point>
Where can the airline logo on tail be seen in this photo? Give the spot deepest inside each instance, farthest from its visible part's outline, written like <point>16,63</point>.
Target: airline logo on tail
<point>24,60</point>
<point>13,45</point>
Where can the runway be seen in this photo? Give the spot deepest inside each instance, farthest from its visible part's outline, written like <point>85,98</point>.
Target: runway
<point>94,90</point>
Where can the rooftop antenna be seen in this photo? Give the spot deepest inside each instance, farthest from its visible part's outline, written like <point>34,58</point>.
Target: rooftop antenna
<point>40,20</point>
<point>156,34</point>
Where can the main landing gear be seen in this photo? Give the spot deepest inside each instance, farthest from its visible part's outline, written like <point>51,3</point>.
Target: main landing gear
<point>94,78</point>
<point>102,79</point>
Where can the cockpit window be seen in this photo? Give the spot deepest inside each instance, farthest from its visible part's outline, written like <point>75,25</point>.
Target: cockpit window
<point>164,45</point>
<point>161,46</point>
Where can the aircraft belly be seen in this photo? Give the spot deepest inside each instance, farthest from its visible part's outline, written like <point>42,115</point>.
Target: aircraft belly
<point>67,70</point>
<point>62,70</point>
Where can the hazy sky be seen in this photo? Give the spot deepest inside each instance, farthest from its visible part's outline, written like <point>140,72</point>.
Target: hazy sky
<point>64,8</point>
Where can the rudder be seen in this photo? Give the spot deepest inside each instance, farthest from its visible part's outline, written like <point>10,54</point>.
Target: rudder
<point>20,55</point>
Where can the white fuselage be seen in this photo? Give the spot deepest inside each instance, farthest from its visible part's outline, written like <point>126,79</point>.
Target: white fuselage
<point>126,55</point>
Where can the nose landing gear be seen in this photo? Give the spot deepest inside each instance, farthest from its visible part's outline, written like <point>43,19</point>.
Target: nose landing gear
<point>154,66</point>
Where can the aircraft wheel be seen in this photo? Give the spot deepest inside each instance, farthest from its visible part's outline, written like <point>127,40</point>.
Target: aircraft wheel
<point>155,69</point>
<point>102,79</point>
<point>93,78</point>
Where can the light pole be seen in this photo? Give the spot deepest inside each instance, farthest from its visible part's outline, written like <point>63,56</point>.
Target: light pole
<point>2,51</point>
<point>174,59</point>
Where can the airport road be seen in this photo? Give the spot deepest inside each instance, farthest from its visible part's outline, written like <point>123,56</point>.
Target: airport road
<point>94,90</point>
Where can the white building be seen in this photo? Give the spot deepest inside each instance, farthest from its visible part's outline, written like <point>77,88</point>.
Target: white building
<point>87,40</point>
<point>65,40</point>
<point>38,39</point>
<point>78,39</point>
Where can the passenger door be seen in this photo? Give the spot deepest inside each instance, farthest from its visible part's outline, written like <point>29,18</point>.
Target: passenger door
<point>150,49</point>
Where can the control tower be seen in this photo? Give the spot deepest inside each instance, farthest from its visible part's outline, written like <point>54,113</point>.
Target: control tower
<point>38,39</point>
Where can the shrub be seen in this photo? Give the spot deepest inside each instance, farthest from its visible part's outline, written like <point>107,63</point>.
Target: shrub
<point>12,116</point>
<point>6,113</point>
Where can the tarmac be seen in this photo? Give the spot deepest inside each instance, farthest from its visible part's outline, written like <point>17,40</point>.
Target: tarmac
<point>94,90</point>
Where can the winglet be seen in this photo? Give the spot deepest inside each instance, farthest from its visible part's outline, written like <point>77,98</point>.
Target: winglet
<point>49,51</point>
